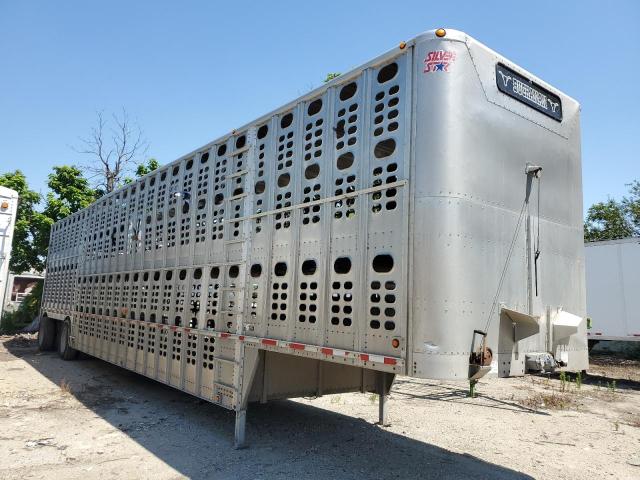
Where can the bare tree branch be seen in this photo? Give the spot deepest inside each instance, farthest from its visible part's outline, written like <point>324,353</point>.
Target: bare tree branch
<point>110,159</point>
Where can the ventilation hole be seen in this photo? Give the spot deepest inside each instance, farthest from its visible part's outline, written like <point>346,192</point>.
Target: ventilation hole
<point>189,165</point>
<point>256,270</point>
<point>314,107</point>
<point>286,120</point>
<point>383,263</point>
<point>387,73</point>
<point>385,148</point>
<point>342,265</point>
<point>283,180</point>
<point>241,141</point>
<point>234,271</point>
<point>185,207</point>
<point>156,276</point>
<point>222,149</point>
<point>280,269</point>
<point>262,131</point>
<point>260,186</point>
<point>218,199</point>
<point>390,285</point>
<point>182,275</point>
<point>374,324</point>
<point>309,267</point>
<point>204,157</point>
<point>215,272</point>
<point>176,170</point>
<point>197,273</point>
<point>348,91</point>
<point>346,322</point>
<point>345,160</point>
<point>312,171</point>
<point>168,275</point>
<point>389,325</point>
<point>375,310</point>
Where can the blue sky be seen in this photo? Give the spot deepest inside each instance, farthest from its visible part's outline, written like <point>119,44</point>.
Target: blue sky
<point>191,71</point>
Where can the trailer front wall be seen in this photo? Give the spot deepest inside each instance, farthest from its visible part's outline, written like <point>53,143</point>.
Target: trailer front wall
<point>472,146</point>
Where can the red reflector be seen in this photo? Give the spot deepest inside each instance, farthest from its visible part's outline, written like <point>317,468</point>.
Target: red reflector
<point>389,361</point>
<point>327,351</point>
<point>241,338</point>
<point>296,346</point>
<point>225,335</point>
<point>267,341</point>
<point>364,357</point>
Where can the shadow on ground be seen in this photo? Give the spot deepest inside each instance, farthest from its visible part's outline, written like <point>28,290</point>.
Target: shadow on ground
<point>286,438</point>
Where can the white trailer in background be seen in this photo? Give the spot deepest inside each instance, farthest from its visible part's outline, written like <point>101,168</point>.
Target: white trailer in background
<point>613,289</point>
<point>8,208</point>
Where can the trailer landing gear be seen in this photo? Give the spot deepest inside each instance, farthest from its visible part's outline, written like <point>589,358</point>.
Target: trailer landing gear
<point>240,439</point>
<point>385,380</point>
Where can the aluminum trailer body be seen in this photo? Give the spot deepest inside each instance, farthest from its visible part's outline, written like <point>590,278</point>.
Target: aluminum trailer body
<point>364,230</point>
<point>613,283</point>
<point>8,210</point>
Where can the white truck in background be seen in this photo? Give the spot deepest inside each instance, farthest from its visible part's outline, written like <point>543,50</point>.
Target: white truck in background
<point>8,209</point>
<point>613,289</point>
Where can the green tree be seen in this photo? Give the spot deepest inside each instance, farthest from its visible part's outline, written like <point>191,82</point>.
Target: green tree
<point>144,168</point>
<point>24,255</point>
<point>69,192</point>
<point>614,219</point>
<point>631,206</point>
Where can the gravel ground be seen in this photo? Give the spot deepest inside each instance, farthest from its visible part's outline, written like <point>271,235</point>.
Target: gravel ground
<point>88,419</point>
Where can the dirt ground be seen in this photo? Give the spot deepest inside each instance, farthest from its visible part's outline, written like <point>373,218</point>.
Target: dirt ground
<point>88,419</point>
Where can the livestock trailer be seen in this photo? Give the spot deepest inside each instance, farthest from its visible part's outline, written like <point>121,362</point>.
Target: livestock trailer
<point>390,222</point>
<point>8,209</point>
<point>613,283</point>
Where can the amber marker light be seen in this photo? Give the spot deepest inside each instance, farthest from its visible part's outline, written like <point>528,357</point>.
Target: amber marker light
<point>395,343</point>
<point>4,205</point>
<point>402,45</point>
<point>441,32</point>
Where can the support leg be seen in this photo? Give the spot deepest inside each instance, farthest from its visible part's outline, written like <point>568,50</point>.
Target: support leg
<point>383,397</point>
<point>241,423</point>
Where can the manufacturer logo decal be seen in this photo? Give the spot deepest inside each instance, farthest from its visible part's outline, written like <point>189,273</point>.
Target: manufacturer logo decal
<point>439,61</point>
<point>528,92</point>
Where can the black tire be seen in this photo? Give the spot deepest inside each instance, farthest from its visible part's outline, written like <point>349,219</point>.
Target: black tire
<point>65,351</point>
<point>47,334</point>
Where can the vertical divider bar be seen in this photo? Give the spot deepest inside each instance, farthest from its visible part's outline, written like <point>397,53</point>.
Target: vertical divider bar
<point>327,217</point>
<point>363,216</point>
<point>295,228</point>
<point>240,399</point>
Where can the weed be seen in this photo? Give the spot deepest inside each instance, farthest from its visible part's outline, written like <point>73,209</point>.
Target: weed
<point>611,387</point>
<point>335,399</point>
<point>563,381</point>
<point>373,398</point>
<point>551,401</point>
<point>579,380</point>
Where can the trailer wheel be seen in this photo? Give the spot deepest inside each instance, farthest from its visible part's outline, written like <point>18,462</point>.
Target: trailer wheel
<point>65,351</point>
<point>47,334</point>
